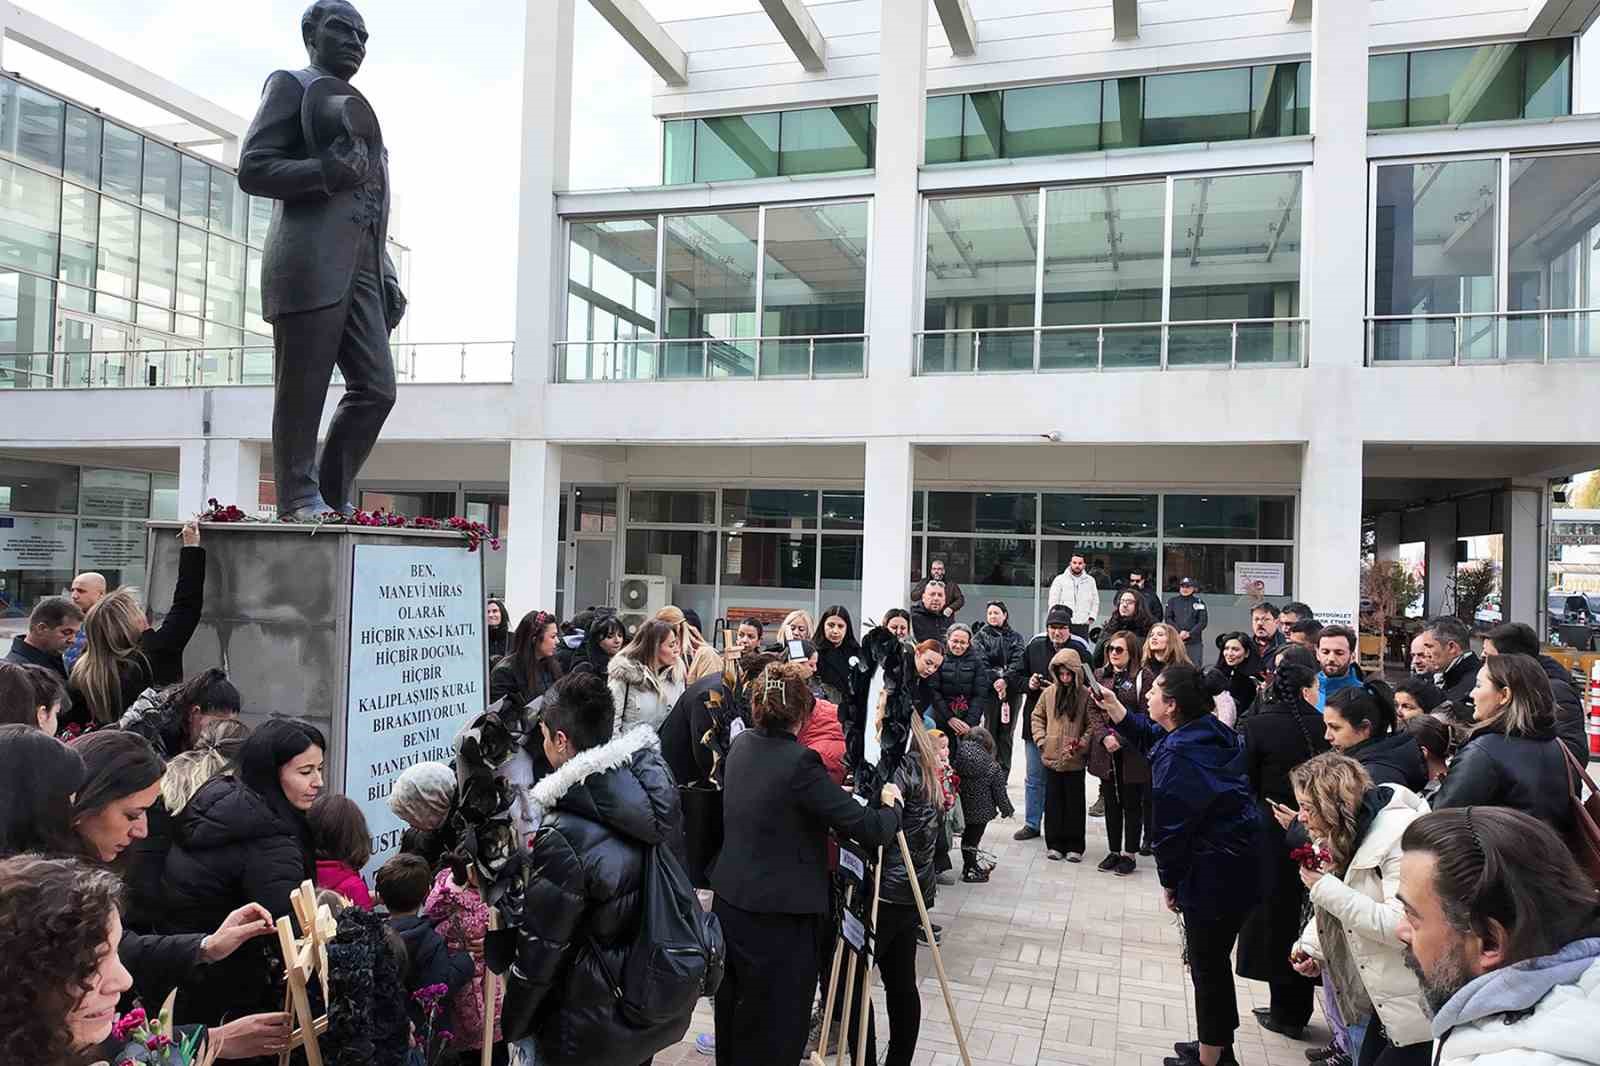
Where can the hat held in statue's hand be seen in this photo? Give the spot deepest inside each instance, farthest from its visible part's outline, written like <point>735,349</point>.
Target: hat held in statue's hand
<point>332,109</point>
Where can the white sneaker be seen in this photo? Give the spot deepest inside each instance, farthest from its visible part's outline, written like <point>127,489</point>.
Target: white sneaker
<point>1053,855</point>
<point>1074,856</point>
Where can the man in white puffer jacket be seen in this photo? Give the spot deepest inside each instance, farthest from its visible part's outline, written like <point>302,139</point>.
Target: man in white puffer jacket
<point>1502,928</point>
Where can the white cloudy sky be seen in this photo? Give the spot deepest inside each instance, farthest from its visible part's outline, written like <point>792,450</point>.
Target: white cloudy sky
<point>445,78</point>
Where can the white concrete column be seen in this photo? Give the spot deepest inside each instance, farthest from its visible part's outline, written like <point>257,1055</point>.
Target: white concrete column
<point>1387,541</point>
<point>1523,571</point>
<point>896,251</point>
<point>535,491</point>
<point>886,551</point>
<point>546,152</point>
<point>1440,522</point>
<point>1333,265</point>
<point>223,469</point>
<point>1329,578</point>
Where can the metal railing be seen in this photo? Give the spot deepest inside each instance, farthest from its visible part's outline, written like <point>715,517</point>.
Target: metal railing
<point>832,355</point>
<point>1230,343</point>
<point>211,365</point>
<point>1483,338</point>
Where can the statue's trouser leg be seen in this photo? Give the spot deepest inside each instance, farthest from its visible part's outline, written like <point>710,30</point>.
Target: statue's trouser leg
<point>305,346</point>
<point>369,387</point>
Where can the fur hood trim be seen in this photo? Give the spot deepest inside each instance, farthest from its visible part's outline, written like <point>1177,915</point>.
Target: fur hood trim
<point>632,672</point>
<point>612,755</point>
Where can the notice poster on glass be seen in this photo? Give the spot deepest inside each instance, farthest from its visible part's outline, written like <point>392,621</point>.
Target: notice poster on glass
<point>35,543</point>
<point>115,494</point>
<point>417,670</point>
<point>1258,579</point>
<point>107,545</point>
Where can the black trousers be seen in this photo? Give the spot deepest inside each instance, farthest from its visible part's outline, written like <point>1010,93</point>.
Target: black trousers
<point>1004,732</point>
<point>354,336</point>
<point>1210,942</point>
<point>763,1008</point>
<point>1064,810</point>
<point>971,837</point>
<point>897,969</point>
<point>1292,999</point>
<point>1376,1050</point>
<point>1124,811</point>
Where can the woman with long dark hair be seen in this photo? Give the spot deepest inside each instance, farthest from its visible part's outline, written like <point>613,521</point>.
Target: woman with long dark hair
<point>1236,664</point>
<point>41,774</point>
<point>245,839</point>
<point>604,638</point>
<point>1363,724</point>
<point>497,626</point>
<point>1129,614</point>
<point>530,666</point>
<point>1123,770</point>
<point>1284,731</point>
<point>31,695</point>
<point>1002,647</point>
<point>836,646</point>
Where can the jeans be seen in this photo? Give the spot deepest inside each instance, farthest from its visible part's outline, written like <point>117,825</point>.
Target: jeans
<point>1064,811</point>
<point>1330,1011</point>
<point>1033,791</point>
<point>1210,942</point>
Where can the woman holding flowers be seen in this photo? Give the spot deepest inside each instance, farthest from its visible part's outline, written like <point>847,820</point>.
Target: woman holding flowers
<point>1353,872</point>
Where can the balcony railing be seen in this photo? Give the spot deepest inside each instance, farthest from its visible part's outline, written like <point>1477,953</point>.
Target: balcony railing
<point>834,355</point>
<point>472,361</point>
<point>1478,339</point>
<point>1231,343</point>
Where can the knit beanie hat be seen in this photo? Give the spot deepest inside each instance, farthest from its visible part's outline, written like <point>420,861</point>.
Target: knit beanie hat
<point>423,795</point>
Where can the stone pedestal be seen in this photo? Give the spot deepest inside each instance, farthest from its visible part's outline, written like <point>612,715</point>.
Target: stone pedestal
<point>376,636</point>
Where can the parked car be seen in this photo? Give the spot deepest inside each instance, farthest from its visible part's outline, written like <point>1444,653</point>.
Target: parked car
<point>1489,613</point>
<point>1574,609</point>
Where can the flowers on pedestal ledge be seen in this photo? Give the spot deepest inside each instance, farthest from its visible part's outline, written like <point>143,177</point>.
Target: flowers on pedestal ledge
<point>474,533</point>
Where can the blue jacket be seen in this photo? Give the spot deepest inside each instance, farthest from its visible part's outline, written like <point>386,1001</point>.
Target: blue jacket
<point>1206,828</point>
<point>1327,686</point>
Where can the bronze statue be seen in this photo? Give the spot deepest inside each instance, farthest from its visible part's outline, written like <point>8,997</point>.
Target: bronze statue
<point>328,285</point>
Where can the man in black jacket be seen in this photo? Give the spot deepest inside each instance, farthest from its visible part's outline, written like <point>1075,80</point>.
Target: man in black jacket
<point>1458,663</point>
<point>1032,676</point>
<point>1265,636</point>
<point>1152,599</point>
<point>928,618</point>
<point>1186,612</point>
<point>52,627</point>
<point>1518,638</point>
<point>954,598</point>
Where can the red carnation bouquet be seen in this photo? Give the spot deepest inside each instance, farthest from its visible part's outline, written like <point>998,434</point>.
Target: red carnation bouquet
<point>1312,857</point>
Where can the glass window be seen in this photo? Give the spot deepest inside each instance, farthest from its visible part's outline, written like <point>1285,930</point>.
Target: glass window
<point>769,508</point>
<point>45,488</point>
<point>710,278</point>
<point>661,505</point>
<point>158,259</point>
<point>30,125</point>
<point>768,560</point>
<point>120,161</point>
<point>225,282</point>
<point>1229,517</point>
<point>612,268</point>
<point>980,275</point>
<point>1212,568</point>
<point>252,293</point>
<point>815,284</point>
<point>80,230</point>
<point>1051,119</point>
<point>119,248</point>
<point>677,151</point>
<point>841,566</point>
<point>843,510</point>
<point>1554,227</point>
<point>1386,91</point>
<point>1108,559</point>
<point>1197,106</point>
<point>1103,260</point>
<point>414,504</point>
<point>1100,514</point>
<point>817,140</point>
<point>191,270</point>
<point>979,564</point>
<point>161,188</point>
<point>26,325</point>
<point>228,205</point>
<point>732,147</point>
<point>164,497</point>
<point>1121,106</point>
<point>687,558</point>
<point>1235,255</point>
<point>115,494</point>
<point>596,509</point>
<point>1451,85</point>
<point>83,146</point>
<point>30,205</point>
<point>194,197</point>
<point>1272,100</point>
<point>261,219</point>
<point>943,132</point>
<point>982,512</point>
<point>982,126</point>
<point>1435,249</point>
<point>1547,78</point>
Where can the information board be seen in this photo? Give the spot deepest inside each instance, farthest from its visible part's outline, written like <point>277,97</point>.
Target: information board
<point>416,670</point>
<point>104,544</point>
<point>36,543</point>
<point>1265,579</point>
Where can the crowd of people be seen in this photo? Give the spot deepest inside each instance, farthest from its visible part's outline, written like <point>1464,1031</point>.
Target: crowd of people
<point>1412,855</point>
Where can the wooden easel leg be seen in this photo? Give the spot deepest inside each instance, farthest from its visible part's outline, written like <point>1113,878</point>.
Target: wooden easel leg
<point>486,1054</point>
<point>865,1016</point>
<point>845,1014</point>
<point>831,999</point>
<point>938,962</point>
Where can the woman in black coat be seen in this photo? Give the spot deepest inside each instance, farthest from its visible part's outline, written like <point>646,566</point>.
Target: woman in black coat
<point>1284,731</point>
<point>244,839</point>
<point>497,626</point>
<point>1363,724</point>
<point>962,688</point>
<point>771,880</point>
<point>530,666</point>
<point>836,647</point>
<point>603,639</point>
<point>1001,648</point>
<point>1241,670</point>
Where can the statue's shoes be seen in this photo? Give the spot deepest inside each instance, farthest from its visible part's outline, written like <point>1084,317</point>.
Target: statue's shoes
<point>315,511</point>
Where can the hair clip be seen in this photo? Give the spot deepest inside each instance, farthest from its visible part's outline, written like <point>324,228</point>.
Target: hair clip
<point>773,683</point>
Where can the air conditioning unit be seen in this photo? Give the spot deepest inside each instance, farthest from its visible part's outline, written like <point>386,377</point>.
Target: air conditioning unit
<point>640,596</point>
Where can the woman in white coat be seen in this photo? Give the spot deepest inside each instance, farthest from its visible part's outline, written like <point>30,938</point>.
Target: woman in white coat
<point>1353,934</point>
<point>646,677</point>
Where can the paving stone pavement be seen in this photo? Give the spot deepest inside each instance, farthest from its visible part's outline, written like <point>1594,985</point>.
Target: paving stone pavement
<point>1055,963</point>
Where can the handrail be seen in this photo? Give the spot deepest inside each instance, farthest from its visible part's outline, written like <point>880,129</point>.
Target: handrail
<point>1164,361</point>
<point>707,364</point>
<point>1497,332</point>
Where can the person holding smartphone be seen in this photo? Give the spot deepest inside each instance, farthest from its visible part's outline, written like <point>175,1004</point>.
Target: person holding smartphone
<point>1060,730</point>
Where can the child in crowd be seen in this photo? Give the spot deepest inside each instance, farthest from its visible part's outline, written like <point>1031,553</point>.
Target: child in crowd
<point>343,846</point>
<point>983,795</point>
<point>462,918</point>
<point>951,824</point>
<point>403,884</point>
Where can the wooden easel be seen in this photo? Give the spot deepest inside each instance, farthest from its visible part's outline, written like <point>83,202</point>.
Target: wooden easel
<point>933,946</point>
<point>305,956</point>
<point>489,1005</point>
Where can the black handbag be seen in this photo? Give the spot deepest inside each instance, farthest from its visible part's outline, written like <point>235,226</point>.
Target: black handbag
<point>702,829</point>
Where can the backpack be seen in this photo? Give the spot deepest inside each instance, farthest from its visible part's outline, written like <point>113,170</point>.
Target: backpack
<point>677,955</point>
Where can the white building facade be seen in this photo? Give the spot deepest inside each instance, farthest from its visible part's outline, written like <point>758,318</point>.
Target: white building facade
<point>1232,296</point>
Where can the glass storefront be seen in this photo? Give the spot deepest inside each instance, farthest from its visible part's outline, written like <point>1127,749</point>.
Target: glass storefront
<point>123,260</point>
<point>58,520</point>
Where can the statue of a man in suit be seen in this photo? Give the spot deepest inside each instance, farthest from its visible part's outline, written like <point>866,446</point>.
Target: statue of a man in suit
<point>327,284</point>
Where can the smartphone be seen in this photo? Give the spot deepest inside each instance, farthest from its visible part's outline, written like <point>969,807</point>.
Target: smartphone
<point>796,651</point>
<point>1093,682</point>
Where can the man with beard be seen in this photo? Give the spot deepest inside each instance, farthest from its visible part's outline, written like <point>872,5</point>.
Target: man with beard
<point>1502,929</point>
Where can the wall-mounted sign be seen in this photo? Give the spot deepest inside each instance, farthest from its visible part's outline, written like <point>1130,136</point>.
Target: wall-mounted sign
<point>35,543</point>
<point>1258,579</point>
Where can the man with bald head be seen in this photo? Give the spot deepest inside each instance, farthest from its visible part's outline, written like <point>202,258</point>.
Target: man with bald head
<point>87,589</point>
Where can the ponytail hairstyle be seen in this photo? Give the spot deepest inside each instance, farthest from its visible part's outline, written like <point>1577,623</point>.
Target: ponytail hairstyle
<point>1192,692</point>
<point>1372,703</point>
<point>1296,670</point>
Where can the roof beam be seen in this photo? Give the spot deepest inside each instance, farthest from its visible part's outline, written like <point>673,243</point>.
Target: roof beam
<point>1549,17</point>
<point>1124,19</point>
<point>1299,10</point>
<point>647,37</point>
<point>799,32</point>
<point>959,28</point>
